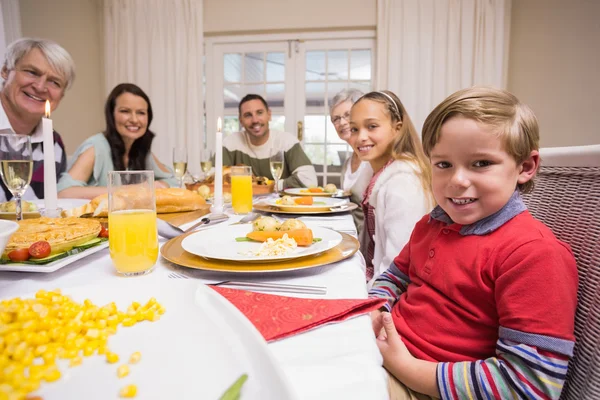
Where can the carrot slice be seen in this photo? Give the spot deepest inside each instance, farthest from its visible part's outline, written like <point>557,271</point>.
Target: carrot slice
<point>315,190</point>
<point>303,237</point>
<point>304,201</point>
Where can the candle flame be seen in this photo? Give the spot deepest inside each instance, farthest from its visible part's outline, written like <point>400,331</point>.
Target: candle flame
<point>219,125</point>
<point>47,109</point>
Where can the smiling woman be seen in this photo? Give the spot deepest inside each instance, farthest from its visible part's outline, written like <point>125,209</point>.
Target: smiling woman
<point>124,145</point>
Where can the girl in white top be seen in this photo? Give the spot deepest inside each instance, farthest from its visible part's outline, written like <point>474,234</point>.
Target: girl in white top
<point>355,174</point>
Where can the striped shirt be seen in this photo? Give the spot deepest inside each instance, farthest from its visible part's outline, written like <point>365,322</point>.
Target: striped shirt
<point>493,303</point>
<point>36,188</point>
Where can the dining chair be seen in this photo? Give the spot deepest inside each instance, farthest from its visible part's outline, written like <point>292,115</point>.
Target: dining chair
<point>566,197</point>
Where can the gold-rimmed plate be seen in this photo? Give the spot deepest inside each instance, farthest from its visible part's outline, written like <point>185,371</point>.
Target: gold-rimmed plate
<point>173,252</point>
<point>333,210</point>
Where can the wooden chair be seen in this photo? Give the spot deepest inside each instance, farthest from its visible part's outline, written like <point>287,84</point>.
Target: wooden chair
<point>566,197</point>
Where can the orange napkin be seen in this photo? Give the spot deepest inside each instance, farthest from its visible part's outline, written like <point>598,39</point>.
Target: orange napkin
<point>277,317</point>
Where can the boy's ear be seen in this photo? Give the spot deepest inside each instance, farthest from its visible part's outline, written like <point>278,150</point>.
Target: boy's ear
<point>528,168</point>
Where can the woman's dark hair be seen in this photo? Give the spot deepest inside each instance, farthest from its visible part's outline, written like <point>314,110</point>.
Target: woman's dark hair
<point>140,147</point>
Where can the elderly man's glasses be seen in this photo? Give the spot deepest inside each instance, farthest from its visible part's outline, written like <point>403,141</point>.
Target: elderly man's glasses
<point>338,118</point>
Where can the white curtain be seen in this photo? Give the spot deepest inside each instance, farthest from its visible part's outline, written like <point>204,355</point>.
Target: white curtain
<point>428,49</point>
<point>10,24</point>
<point>157,45</point>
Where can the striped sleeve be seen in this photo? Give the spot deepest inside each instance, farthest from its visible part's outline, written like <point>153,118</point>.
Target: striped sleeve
<point>526,365</point>
<point>390,285</point>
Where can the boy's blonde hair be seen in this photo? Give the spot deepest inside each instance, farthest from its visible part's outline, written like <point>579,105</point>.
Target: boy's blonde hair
<point>514,122</point>
<point>406,145</point>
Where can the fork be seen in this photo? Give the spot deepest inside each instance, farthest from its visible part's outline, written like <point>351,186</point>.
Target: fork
<point>262,286</point>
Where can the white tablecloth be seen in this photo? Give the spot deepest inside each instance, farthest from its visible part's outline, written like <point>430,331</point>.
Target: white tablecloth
<point>338,361</point>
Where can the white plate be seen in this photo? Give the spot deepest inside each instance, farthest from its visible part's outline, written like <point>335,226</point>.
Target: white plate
<point>219,243</point>
<point>197,349</point>
<point>320,204</point>
<point>65,204</point>
<point>305,192</point>
<point>55,265</point>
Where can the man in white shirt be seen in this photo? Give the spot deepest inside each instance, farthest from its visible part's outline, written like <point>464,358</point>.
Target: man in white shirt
<point>34,70</point>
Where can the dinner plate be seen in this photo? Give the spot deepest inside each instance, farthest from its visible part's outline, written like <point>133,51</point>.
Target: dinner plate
<point>65,204</point>
<point>173,252</point>
<point>319,204</point>
<point>220,244</point>
<point>263,206</point>
<point>305,192</point>
<point>55,265</point>
<point>196,350</point>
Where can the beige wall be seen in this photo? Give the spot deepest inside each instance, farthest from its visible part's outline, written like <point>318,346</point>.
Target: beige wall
<point>228,16</point>
<point>75,25</point>
<point>553,67</point>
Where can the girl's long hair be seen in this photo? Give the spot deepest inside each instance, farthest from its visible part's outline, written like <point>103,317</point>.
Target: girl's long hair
<point>406,145</point>
<point>141,146</point>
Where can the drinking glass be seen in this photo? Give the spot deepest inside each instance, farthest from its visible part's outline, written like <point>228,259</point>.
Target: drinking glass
<point>276,162</point>
<point>16,166</point>
<point>180,163</point>
<point>133,239</point>
<point>241,189</point>
<point>206,162</point>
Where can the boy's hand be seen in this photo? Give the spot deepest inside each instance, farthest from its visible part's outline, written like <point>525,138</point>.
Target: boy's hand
<point>392,348</point>
<point>377,322</point>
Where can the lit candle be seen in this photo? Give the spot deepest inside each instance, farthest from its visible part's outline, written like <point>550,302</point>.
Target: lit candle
<point>50,196</point>
<point>217,206</point>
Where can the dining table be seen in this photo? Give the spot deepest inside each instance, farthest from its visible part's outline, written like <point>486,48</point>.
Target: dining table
<point>333,361</point>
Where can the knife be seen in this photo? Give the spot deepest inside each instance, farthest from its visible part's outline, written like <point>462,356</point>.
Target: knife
<point>208,220</point>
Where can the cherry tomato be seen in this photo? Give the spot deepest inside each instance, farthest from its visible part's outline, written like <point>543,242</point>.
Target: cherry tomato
<point>40,249</point>
<point>19,255</point>
<point>103,232</point>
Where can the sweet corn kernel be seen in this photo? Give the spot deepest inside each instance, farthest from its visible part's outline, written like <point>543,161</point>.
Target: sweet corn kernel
<point>75,361</point>
<point>123,371</point>
<point>112,357</point>
<point>128,391</point>
<point>135,357</point>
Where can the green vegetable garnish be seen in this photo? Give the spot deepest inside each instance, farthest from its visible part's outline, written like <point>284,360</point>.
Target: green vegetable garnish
<point>233,391</point>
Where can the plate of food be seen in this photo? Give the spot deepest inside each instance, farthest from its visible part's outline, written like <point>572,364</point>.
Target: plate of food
<point>48,244</point>
<point>306,203</point>
<point>330,190</point>
<point>31,209</point>
<point>267,240</point>
<point>186,342</point>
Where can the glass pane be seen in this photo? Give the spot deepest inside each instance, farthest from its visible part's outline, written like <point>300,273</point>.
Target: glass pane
<point>316,153</point>
<point>336,154</point>
<point>275,94</point>
<point>232,67</point>
<point>332,136</point>
<point>315,65</point>
<point>337,65</point>
<point>275,67</point>
<point>364,87</point>
<point>232,94</point>
<point>277,123</point>
<point>253,89</point>
<point>314,129</point>
<point>254,67</point>
<point>231,124</point>
<point>315,94</point>
<point>334,88</point>
<point>360,64</point>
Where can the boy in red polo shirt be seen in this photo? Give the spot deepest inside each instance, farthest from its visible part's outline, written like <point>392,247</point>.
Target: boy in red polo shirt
<point>482,298</point>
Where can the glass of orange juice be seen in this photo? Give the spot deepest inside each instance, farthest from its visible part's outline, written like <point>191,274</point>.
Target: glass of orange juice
<point>133,237</point>
<point>241,189</point>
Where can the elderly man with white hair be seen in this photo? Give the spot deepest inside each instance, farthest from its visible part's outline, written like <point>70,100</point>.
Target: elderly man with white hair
<point>34,70</point>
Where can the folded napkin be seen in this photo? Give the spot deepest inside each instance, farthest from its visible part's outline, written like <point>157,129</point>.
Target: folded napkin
<point>277,317</point>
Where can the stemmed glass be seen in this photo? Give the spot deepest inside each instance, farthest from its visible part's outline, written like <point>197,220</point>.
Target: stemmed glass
<point>180,163</point>
<point>276,162</point>
<point>206,163</point>
<point>16,166</point>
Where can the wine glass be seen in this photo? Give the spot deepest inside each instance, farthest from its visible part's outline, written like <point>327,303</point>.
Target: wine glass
<point>276,162</point>
<point>206,163</point>
<point>16,166</point>
<point>180,163</point>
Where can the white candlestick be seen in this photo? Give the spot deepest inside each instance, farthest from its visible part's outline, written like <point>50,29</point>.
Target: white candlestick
<point>217,206</point>
<point>50,195</point>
